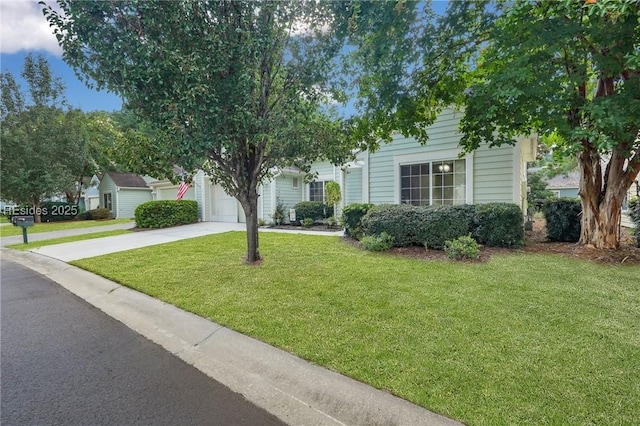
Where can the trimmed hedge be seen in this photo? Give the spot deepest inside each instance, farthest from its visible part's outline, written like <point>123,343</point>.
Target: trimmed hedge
<point>499,225</point>
<point>444,223</point>
<point>352,218</point>
<point>95,214</point>
<point>313,209</point>
<point>634,214</point>
<point>165,213</point>
<point>563,219</point>
<point>404,222</point>
<point>493,224</point>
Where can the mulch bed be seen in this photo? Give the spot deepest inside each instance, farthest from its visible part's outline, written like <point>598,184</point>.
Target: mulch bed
<point>536,242</point>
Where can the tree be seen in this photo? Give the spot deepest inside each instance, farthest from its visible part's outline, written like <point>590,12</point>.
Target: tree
<point>34,129</point>
<point>237,86</point>
<point>517,68</point>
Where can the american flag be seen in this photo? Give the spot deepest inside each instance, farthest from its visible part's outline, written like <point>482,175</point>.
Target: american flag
<point>182,189</point>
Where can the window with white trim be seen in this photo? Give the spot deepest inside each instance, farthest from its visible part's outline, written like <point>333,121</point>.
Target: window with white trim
<point>316,190</point>
<point>294,183</point>
<point>434,182</point>
<point>106,198</point>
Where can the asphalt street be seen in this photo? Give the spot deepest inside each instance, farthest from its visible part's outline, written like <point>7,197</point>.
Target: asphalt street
<point>64,362</point>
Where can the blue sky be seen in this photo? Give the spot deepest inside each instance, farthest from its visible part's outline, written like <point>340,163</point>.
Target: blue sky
<point>23,29</point>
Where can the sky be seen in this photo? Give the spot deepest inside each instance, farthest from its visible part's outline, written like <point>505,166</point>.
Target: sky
<point>23,30</point>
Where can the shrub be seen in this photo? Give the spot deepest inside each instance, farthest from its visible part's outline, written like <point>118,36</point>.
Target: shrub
<point>316,210</point>
<point>463,247</point>
<point>279,213</point>
<point>58,211</point>
<point>307,222</point>
<point>331,222</point>
<point>402,221</point>
<point>164,213</point>
<point>352,218</point>
<point>563,219</point>
<point>499,225</point>
<point>262,222</point>
<point>447,223</point>
<point>98,214</point>
<point>382,242</point>
<point>634,214</point>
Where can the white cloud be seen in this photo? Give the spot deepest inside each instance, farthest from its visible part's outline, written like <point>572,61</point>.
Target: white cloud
<point>24,27</point>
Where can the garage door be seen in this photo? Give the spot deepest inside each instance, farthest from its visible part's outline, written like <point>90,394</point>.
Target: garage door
<point>225,207</point>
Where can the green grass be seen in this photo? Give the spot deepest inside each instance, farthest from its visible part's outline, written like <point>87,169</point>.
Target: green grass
<point>37,244</point>
<point>9,231</point>
<point>521,339</point>
<point>4,219</point>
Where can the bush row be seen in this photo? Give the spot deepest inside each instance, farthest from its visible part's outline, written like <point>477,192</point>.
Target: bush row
<point>492,224</point>
<point>95,214</point>
<point>164,213</point>
<point>352,217</point>
<point>316,210</point>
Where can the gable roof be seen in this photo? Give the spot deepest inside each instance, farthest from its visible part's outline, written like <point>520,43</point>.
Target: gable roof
<point>127,180</point>
<point>572,180</point>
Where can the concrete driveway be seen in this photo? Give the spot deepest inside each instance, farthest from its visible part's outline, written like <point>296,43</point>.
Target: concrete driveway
<point>97,247</point>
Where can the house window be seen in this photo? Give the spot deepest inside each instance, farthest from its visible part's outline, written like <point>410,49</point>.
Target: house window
<point>316,191</point>
<point>294,183</point>
<point>106,198</point>
<point>556,194</point>
<point>436,182</point>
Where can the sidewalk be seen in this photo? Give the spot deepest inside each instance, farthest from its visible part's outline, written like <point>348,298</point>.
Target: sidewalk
<point>17,239</point>
<point>296,391</point>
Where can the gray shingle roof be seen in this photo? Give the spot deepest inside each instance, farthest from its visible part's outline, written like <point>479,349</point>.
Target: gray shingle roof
<point>127,180</point>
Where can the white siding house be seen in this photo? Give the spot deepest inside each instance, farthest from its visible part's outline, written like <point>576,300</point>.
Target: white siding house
<point>402,171</point>
<point>121,193</point>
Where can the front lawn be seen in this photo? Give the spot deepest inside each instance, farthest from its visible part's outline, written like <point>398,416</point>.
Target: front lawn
<point>61,240</point>
<point>521,339</point>
<point>9,231</point>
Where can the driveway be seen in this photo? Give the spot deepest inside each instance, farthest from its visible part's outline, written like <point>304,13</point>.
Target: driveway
<point>97,247</point>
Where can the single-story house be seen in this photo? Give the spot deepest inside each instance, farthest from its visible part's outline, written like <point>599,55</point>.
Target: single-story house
<point>402,171</point>
<point>164,189</point>
<point>91,195</point>
<point>121,193</point>
<point>565,186</point>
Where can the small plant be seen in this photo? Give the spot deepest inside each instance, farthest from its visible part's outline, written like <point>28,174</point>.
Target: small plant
<point>307,222</point>
<point>331,222</point>
<point>462,248</point>
<point>382,242</point>
<point>262,222</point>
<point>279,213</point>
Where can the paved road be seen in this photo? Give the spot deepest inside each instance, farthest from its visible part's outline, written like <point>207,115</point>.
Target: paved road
<point>66,363</point>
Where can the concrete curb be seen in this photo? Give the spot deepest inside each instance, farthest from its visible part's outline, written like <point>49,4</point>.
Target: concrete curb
<point>294,390</point>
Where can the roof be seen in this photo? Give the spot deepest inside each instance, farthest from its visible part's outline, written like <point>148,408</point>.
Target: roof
<point>127,180</point>
<point>572,180</point>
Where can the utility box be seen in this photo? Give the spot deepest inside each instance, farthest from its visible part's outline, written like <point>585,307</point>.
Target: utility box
<point>22,221</point>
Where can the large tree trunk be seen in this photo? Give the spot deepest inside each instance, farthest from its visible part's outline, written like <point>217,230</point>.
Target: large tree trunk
<point>37,218</point>
<point>249,204</point>
<point>602,196</point>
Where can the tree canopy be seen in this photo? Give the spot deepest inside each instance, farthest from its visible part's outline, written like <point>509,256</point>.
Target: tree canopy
<point>566,67</point>
<point>237,87</point>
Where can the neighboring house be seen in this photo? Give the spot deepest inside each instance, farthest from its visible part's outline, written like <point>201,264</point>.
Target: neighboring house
<point>565,186</point>
<point>91,195</point>
<point>121,193</point>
